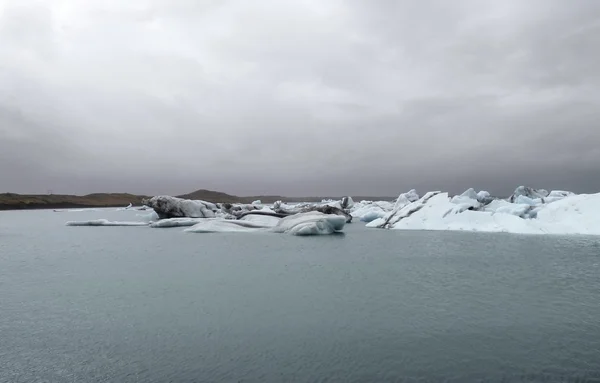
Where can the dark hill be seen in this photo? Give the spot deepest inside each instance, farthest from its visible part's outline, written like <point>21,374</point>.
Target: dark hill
<point>12,201</point>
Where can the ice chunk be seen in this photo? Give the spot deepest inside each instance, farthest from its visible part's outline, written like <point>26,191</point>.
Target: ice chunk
<point>105,222</point>
<point>403,211</point>
<point>257,202</point>
<point>470,193</point>
<point>347,202</point>
<point>263,220</point>
<point>370,213</point>
<point>575,214</point>
<point>524,200</point>
<point>173,207</point>
<point>528,192</point>
<point>311,223</point>
<point>150,217</point>
<point>483,196</point>
<point>128,207</point>
<point>176,222</point>
<point>225,226</point>
<point>406,198</point>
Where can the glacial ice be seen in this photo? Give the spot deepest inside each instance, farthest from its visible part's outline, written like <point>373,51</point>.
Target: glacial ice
<point>310,223</point>
<point>173,207</point>
<point>176,222</point>
<point>225,226</point>
<point>264,220</point>
<point>302,224</point>
<point>526,211</point>
<point>533,211</point>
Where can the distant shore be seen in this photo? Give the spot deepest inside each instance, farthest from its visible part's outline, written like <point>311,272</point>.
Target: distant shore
<point>48,206</point>
<point>13,201</point>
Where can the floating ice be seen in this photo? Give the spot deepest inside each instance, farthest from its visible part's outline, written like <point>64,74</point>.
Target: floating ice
<point>173,207</point>
<point>176,222</point>
<point>125,208</point>
<point>264,220</point>
<point>570,214</point>
<point>369,212</point>
<point>310,223</point>
<point>105,222</point>
<point>225,226</point>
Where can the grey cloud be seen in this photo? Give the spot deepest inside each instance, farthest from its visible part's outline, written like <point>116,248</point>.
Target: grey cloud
<point>300,97</point>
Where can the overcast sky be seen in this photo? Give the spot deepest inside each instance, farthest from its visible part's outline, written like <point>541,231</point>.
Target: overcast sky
<point>299,97</point>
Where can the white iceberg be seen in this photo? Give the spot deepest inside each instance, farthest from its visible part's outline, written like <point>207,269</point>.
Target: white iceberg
<point>406,198</point>
<point>105,222</point>
<point>483,196</point>
<point>310,223</point>
<point>572,214</point>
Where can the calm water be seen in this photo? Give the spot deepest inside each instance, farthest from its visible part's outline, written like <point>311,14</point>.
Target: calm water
<point>130,304</point>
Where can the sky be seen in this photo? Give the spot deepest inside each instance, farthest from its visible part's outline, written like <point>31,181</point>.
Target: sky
<point>299,97</point>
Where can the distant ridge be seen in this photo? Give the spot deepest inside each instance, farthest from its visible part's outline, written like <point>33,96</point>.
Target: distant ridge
<point>213,196</point>
<point>13,201</point>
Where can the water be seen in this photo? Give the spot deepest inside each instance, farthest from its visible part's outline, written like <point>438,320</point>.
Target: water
<point>131,304</point>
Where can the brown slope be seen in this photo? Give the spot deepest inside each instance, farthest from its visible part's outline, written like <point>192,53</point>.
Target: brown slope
<point>11,201</point>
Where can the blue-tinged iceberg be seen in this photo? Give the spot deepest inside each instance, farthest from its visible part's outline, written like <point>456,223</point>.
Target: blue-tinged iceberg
<point>526,211</point>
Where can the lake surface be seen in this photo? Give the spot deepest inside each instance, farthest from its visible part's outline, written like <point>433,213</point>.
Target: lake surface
<point>134,304</point>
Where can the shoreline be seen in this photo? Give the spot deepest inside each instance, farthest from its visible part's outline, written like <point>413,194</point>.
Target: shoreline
<point>43,206</point>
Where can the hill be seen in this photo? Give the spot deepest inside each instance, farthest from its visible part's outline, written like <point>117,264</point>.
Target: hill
<point>12,201</point>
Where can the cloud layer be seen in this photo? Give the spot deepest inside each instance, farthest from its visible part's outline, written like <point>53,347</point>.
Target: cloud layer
<point>301,97</point>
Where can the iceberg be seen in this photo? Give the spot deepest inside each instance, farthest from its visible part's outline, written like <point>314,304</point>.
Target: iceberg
<point>327,208</point>
<point>173,207</point>
<point>105,222</point>
<point>310,223</point>
<point>529,213</point>
<point>301,224</point>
